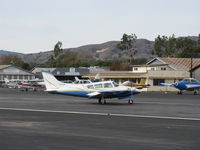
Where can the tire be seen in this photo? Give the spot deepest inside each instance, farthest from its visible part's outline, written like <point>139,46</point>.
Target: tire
<point>99,101</point>
<point>130,101</point>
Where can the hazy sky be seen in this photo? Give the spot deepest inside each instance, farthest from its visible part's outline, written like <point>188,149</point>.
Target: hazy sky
<point>30,26</point>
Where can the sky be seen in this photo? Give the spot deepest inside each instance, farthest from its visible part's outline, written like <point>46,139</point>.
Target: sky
<point>31,26</point>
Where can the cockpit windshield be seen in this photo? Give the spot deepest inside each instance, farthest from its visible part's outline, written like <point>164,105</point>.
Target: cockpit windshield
<point>115,84</point>
<point>189,80</point>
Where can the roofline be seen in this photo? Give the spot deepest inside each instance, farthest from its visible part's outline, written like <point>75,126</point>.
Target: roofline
<point>195,68</point>
<point>6,66</point>
<point>18,68</point>
<point>159,58</point>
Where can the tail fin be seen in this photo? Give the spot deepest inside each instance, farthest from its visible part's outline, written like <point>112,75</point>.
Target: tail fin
<point>142,81</point>
<point>51,82</point>
<point>6,80</point>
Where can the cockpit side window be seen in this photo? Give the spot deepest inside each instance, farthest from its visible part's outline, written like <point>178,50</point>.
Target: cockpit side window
<point>193,80</point>
<point>108,85</point>
<point>97,86</point>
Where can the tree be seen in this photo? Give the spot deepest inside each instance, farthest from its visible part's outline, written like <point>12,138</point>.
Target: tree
<point>127,43</point>
<point>53,60</point>
<point>11,60</point>
<point>165,46</point>
<point>58,49</point>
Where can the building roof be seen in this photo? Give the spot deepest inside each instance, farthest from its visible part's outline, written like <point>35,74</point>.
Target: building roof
<point>178,63</point>
<point>70,71</point>
<point>115,75</point>
<point>38,69</point>
<point>4,66</point>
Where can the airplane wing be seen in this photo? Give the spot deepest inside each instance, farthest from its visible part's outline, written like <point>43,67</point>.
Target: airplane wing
<point>94,94</point>
<point>99,94</point>
<point>193,86</point>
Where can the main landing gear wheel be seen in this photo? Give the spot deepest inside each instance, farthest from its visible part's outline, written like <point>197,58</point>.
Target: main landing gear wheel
<point>180,92</point>
<point>104,102</point>
<point>130,101</point>
<point>100,102</point>
<point>195,92</point>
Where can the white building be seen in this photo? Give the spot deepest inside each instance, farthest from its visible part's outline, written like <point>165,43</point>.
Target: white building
<point>15,73</point>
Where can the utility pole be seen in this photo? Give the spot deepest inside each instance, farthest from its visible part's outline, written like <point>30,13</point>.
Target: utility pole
<point>191,64</point>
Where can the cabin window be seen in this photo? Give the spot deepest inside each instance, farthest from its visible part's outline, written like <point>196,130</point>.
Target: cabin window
<point>98,86</point>
<point>108,85</point>
<point>90,87</point>
<point>58,72</point>
<point>158,81</point>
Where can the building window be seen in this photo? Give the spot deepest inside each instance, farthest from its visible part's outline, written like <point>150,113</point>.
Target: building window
<point>158,81</point>
<point>15,77</point>
<point>152,68</point>
<point>135,69</point>
<point>163,69</point>
<point>26,77</point>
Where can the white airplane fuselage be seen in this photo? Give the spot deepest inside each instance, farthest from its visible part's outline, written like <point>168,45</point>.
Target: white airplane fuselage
<point>86,88</point>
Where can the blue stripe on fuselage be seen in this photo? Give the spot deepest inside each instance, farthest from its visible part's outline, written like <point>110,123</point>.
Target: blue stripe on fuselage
<point>107,94</point>
<point>73,93</point>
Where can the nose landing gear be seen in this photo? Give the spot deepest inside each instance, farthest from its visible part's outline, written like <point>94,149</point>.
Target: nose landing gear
<point>130,101</point>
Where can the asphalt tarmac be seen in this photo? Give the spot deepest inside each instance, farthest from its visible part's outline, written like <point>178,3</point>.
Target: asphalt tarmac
<point>42,121</point>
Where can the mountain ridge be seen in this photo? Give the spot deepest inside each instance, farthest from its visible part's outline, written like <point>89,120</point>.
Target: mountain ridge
<point>103,51</point>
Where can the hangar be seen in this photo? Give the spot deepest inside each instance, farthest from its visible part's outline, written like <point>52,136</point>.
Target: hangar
<point>12,72</point>
<point>67,73</point>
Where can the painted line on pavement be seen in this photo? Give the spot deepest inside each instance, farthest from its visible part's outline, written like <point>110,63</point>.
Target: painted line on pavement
<point>102,114</point>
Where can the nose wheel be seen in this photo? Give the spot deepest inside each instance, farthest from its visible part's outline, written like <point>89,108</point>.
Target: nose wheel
<point>195,92</point>
<point>130,101</point>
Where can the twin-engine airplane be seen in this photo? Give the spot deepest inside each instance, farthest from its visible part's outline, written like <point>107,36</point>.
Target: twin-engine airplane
<point>187,84</point>
<point>85,88</point>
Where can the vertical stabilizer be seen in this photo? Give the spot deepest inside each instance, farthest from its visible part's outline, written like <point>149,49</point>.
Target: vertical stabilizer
<point>51,82</point>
